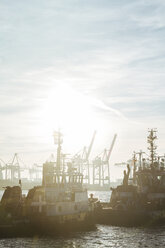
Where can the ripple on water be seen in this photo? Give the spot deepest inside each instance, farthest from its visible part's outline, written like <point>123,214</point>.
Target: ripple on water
<point>104,236</point>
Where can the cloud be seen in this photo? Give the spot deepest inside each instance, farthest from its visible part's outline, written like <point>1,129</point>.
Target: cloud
<point>111,52</point>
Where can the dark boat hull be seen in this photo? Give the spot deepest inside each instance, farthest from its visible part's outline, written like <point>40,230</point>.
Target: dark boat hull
<point>129,217</point>
<point>44,227</point>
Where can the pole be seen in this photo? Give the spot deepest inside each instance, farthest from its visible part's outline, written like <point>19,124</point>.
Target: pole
<point>58,152</point>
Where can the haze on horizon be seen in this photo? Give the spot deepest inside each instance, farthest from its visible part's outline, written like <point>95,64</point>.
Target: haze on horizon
<point>81,66</point>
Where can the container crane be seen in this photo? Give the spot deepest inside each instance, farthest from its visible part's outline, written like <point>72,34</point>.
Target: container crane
<point>101,170</point>
<point>81,160</point>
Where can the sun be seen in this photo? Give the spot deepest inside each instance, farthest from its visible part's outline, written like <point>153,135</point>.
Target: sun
<point>72,112</point>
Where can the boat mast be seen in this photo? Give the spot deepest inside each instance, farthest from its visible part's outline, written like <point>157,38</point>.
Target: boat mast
<point>58,141</point>
<point>152,147</point>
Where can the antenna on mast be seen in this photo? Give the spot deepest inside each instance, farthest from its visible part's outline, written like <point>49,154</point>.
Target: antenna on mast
<point>152,147</point>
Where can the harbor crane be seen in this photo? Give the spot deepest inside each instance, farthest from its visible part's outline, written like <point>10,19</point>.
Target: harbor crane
<point>12,169</point>
<point>101,168</point>
<point>81,160</point>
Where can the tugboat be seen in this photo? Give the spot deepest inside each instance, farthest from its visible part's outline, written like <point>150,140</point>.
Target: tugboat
<point>141,199</point>
<point>59,205</point>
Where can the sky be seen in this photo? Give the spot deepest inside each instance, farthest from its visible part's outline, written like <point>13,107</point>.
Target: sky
<point>81,66</point>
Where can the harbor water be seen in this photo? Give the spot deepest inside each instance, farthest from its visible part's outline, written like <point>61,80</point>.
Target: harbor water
<point>103,236</point>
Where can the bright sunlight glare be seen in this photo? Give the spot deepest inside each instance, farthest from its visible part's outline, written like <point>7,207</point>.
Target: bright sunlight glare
<point>72,112</point>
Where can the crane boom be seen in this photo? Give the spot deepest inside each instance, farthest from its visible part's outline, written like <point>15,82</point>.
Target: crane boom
<point>91,144</point>
<point>111,147</point>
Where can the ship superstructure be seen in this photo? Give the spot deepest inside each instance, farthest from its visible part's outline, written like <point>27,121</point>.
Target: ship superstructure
<point>60,203</point>
<point>140,199</point>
